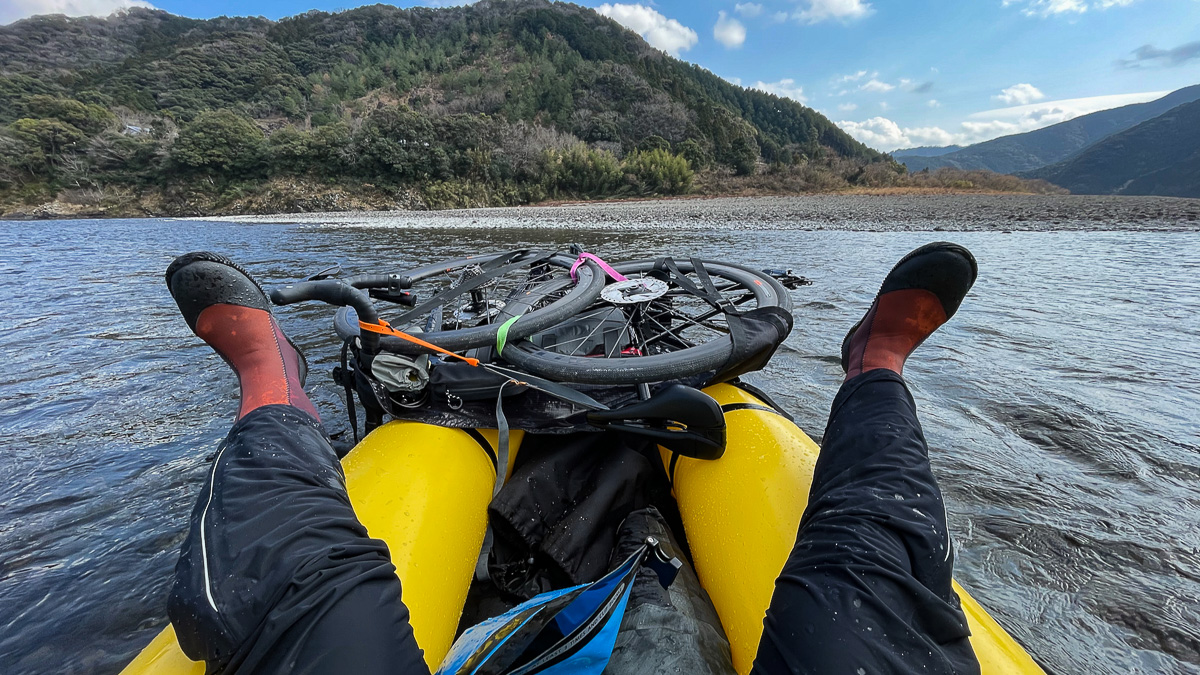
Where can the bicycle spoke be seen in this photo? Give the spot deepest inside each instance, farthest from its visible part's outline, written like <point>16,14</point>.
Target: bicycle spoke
<point>628,326</point>
<point>585,338</point>
<point>667,331</point>
<point>692,321</point>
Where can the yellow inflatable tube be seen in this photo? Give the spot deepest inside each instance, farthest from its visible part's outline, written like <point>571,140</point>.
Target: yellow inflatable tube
<point>741,514</point>
<point>425,491</point>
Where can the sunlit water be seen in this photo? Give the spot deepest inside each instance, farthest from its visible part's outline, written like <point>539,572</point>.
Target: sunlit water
<point>1061,403</point>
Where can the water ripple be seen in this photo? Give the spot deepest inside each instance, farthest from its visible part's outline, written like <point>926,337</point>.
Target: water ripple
<point>1060,405</point>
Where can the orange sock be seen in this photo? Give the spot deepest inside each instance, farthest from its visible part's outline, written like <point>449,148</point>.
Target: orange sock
<point>267,367</point>
<point>894,327</point>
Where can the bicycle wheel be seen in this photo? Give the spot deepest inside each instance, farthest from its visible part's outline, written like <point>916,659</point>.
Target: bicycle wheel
<point>648,329</point>
<point>466,300</point>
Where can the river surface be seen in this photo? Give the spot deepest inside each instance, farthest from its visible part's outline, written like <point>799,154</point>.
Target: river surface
<point>1062,405</point>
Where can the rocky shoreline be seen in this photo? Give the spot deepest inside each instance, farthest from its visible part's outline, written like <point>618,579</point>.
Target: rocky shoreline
<point>853,212</point>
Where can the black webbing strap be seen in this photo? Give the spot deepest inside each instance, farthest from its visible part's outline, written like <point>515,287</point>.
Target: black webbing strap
<point>347,381</point>
<point>502,450</point>
<point>707,291</point>
<point>722,303</point>
<point>555,389</point>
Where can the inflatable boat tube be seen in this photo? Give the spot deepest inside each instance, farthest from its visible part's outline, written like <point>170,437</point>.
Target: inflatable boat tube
<point>425,491</point>
<point>741,513</point>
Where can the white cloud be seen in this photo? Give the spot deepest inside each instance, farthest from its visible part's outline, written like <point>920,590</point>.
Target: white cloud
<point>748,9</point>
<point>883,105</point>
<point>733,80</point>
<point>930,136</point>
<point>1052,112</point>
<point>847,107</point>
<point>876,86</point>
<point>852,77</point>
<point>934,103</point>
<point>884,134</point>
<point>1044,8</point>
<point>785,88</point>
<point>877,132</point>
<point>15,10</point>
<point>839,10</point>
<point>729,31</point>
<point>1020,94</point>
<point>662,33</point>
<point>779,17</point>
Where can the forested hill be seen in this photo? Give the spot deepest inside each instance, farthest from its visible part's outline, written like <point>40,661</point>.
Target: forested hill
<point>1158,157</point>
<point>521,98</point>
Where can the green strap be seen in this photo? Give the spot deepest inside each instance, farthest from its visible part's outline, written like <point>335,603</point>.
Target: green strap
<point>502,335</point>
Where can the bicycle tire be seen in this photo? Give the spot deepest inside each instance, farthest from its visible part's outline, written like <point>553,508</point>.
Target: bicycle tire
<point>586,288</point>
<point>706,357</point>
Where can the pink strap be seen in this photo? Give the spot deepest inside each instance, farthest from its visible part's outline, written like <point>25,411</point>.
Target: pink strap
<point>616,276</point>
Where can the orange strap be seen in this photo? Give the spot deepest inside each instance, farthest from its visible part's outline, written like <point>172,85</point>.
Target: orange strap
<point>385,328</point>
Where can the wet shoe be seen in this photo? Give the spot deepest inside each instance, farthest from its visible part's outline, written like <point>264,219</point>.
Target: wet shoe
<point>920,294</point>
<point>225,307</point>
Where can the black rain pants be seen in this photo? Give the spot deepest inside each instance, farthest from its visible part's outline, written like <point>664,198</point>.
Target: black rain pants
<point>277,575</point>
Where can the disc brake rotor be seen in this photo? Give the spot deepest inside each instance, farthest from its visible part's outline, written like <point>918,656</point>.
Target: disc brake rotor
<point>634,291</point>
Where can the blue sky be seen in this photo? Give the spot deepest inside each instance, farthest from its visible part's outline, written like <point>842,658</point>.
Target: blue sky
<point>893,73</point>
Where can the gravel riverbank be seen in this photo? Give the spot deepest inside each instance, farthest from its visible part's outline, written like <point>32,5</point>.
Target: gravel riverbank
<point>873,213</point>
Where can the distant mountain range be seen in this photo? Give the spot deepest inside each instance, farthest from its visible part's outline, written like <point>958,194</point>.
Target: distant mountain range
<point>926,151</point>
<point>1053,144</point>
<point>1160,156</point>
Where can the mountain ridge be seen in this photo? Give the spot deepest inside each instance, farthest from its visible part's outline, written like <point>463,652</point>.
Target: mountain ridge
<point>926,151</point>
<point>151,47</point>
<point>502,102</point>
<point>1160,156</point>
<point>1032,150</point>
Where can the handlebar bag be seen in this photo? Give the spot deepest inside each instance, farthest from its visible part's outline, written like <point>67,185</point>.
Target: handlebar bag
<point>465,382</point>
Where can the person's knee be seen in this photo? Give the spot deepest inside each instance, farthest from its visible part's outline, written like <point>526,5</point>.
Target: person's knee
<point>903,541</point>
<point>199,628</point>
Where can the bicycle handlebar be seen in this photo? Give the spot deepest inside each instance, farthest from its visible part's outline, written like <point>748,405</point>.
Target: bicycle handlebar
<point>393,282</point>
<point>339,293</point>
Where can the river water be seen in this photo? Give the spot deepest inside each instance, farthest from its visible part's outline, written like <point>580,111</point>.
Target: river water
<point>1061,405</point>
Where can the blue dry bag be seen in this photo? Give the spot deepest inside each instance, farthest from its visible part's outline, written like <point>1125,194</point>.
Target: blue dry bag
<point>566,632</point>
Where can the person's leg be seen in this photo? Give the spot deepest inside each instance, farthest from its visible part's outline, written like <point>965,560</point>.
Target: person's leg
<point>276,573</point>
<point>867,588</point>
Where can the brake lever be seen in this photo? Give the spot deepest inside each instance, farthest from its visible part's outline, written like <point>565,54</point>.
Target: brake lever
<point>331,271</point>
<point>788,278</point>
<point>406,298</point>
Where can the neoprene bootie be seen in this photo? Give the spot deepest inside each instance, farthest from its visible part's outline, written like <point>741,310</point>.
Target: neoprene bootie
<point>920,294</point>
<point>225,307</point>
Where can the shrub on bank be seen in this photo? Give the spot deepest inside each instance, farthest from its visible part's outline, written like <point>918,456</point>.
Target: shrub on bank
<point>580,171</point>
<point>658,172</point>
